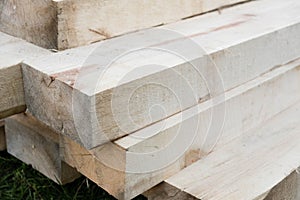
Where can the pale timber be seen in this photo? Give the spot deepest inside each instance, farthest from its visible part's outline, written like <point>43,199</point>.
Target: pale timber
<point>135,173</point>
<point>241,109</point>
<point>243,42</point>
<point>34,21</point>
<point>35,144</point>
<point>13,52</point>
<point>112,166</point>
<point>261,164</point>
<point>2,137</point>
<point>63,24</point>
<point>287,189</point>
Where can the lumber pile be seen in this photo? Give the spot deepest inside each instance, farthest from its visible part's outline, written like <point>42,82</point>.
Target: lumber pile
<point>61,24</point>
<point>205,107</point>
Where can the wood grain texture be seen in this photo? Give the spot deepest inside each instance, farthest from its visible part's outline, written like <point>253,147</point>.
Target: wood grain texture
<point>11,88</point>
<point>85,22</point>
<point>35,144</point>
<point>245,107</point>
<point>56,24</point>
<point>245,111</point>
<point>108,165</point>
<point>115,160</point>
<point>183,137</point>
<point>256,162</point>
<point>287,189</point>
<point>250,43</point>
<point>32,20</point>
<point>13,52</point>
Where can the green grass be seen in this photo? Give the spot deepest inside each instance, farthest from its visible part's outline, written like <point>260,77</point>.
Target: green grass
<point>21,181</point>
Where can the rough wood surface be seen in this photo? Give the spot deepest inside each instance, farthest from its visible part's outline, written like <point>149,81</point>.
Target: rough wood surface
<point>11,90</point>
<point>35,144</point>
<point>250,166</point>
<point>151,164</point>
<point>109,165</point>
<point>251,41</point>
<point>106,19</point>
<point>2,136</point>
<point>287,189</point>
<point>115,160</point>
<point>188,139</point>
<point>105,165</point>
<point>32,20</point>
<point>71,23</point>
<point>13,52</point>
<point>245,107</point>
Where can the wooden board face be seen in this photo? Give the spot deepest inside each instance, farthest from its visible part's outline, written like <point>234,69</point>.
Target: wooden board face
<point>113,18</point>
<point>11,86</point>
<point>288,188</point>
<point>13,52</point>
<point>257,161</point>
<point>34,21</point>
<point>250,43</point>
<point>34,144</point>
<point>55,24</point>
<point>128,184</point>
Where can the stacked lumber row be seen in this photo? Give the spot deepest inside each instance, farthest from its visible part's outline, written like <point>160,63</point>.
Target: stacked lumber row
<point>248,167</point>
<point>230,101</point>
<point>62,24</point>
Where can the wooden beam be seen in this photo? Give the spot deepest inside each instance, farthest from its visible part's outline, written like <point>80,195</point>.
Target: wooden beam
<point>12,52</point>
<point>65,24</point>
<point>250,43</point>
<point>2,137</point>
<point>185,137</point>
<point>288,188</point>
<point>111,165</point>
<point>247,106</point>
<point>11,86</point>
<point>34,21</point>
<point>35,144</point>
<point>261,164</point>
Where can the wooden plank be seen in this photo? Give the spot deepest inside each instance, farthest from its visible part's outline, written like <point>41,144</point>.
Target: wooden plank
<point>111,166</point>
<point>35,144</point>
<point>186,137</point>
<point>250,43</point>
<point>246,106</point>
<point>116,18</point>
<point>149,158</point>
<point>288,188</point>
<point>63,24</point>
<point>2,137</point>
<point>11,86</point>
<point>34,21</point>
<point>12,52</point>
<point>256,162</point>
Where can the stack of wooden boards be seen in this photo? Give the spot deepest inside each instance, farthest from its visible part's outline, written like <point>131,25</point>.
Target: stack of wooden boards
<point>206,106</point>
